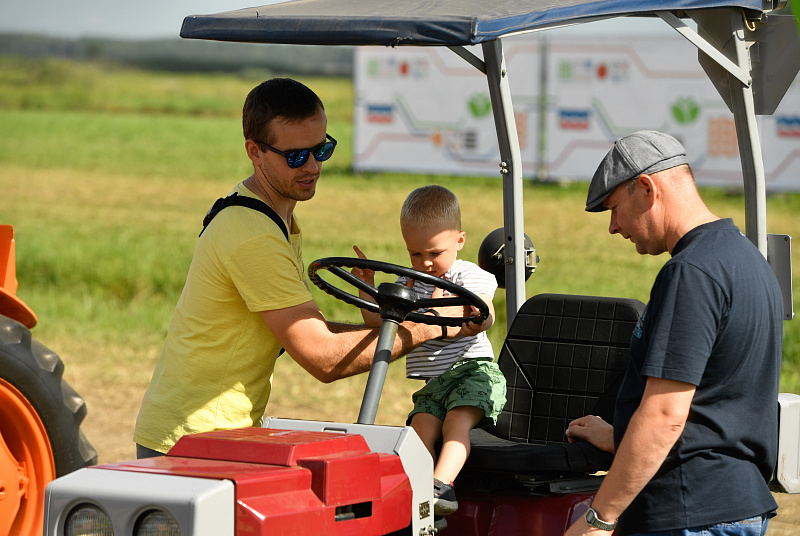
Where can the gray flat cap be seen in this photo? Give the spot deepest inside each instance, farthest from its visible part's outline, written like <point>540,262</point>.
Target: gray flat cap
<point>646,151</point>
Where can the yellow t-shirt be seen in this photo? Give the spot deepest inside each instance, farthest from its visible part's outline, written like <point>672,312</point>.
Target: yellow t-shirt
<point>215,370</point>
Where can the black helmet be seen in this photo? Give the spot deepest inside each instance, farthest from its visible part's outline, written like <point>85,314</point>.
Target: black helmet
<point>491,258</point>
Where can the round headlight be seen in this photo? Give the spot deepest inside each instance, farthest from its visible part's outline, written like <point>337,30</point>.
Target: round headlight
<point>88,520</point>
<point>157,523</point>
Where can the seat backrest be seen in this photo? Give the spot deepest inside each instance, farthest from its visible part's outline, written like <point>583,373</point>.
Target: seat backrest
<point>564,357</point>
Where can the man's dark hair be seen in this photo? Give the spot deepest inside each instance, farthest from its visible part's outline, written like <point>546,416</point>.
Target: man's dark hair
<point>277,97</point>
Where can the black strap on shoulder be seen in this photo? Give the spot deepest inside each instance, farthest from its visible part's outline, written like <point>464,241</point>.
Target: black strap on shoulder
<point>244,201</point>
<point>249,202</point>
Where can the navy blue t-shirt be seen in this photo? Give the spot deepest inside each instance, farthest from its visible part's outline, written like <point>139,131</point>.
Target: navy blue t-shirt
<point>714,320</point>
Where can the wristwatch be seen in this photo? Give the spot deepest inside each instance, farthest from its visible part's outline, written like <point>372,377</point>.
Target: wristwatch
<point>594,521</point>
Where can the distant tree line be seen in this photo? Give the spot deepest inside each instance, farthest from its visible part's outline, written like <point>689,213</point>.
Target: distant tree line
<point>187,55</point>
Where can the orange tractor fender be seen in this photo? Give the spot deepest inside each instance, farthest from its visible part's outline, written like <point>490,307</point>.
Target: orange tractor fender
<point>10,305</point>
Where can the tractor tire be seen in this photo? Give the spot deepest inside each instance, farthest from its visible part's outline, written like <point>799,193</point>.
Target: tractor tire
<point>40,435</point>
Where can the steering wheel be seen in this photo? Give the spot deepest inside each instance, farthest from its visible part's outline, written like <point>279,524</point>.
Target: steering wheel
<point>394,301</point>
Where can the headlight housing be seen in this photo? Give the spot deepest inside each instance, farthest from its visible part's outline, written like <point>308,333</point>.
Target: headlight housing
<point>139,503</point>
<point>88,520</point>
<point>157,523</point>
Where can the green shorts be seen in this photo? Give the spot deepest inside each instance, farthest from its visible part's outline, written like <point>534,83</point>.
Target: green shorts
<point>472,382</point>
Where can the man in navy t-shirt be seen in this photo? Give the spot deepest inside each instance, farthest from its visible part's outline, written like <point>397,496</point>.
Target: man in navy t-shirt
<point>695,429</point>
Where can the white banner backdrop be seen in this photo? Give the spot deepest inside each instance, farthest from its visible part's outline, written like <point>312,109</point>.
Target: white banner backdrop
<point>617,85</point>
<point>424,109</point>
<point>780,139</point>
<point>602,88</point>
<point>427,110</point>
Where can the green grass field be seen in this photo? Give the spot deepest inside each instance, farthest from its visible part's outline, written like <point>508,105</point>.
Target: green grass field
<point>106,174</point>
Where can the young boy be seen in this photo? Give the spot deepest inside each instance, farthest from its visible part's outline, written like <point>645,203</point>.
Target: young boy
<point>464,387</point>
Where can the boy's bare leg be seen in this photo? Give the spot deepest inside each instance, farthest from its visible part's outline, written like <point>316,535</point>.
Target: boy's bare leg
<point>455,441</point>
<point>429,430</point>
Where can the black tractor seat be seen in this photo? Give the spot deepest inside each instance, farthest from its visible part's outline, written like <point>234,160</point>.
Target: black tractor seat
<point>564,357</point>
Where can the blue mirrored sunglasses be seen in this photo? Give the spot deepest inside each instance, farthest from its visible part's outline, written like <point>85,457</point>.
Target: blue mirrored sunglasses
<point>295,158</point>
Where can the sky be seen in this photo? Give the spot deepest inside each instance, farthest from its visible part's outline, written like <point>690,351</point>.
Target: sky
<point>147,19</point>
<point>138,19</point>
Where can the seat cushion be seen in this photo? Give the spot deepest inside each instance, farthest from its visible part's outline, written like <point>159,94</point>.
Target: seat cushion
<point>491,453</point>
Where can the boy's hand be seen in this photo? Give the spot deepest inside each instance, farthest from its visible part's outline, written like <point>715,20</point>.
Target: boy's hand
<point>470,329</point>
<point>467,329</point>
<point>367,276</point>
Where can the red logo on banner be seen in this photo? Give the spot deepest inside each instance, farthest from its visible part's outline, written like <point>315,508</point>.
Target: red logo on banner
<point>722,137</point>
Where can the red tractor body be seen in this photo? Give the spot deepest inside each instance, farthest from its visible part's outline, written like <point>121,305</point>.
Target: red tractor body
<point>326,482</point>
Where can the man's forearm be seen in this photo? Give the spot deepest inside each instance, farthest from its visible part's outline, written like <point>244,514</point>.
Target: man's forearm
<point>640,455</point>
<point>651,433</point>
<point>355,344</point>
<point>331,350</point>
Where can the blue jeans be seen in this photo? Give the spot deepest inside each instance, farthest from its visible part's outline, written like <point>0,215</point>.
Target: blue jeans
<point>754,526</point>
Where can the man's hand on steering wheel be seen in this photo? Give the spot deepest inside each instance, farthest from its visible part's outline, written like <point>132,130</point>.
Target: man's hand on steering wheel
<point>467,329</point>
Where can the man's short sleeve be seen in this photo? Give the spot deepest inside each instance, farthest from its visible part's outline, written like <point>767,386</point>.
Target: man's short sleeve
<point>683,326</point>
<point>268,274</point>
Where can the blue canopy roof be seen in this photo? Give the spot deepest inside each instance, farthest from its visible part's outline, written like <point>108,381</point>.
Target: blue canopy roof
<point>419,22</point>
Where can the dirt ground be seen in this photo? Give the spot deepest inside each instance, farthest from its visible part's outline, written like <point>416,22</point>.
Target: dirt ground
<point>787,522</point>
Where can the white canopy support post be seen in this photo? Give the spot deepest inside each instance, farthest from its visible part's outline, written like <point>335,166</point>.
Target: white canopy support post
<point>743,107</point>
<point>725,56</point>
<point>511,170</point>
<point>690,35</point>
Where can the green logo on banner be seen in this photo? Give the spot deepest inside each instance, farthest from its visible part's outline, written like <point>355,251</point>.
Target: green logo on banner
<point>685,110</point>
<point>480,105</point>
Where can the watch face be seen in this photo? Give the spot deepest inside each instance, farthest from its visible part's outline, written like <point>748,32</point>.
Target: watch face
<point>594,521</point>
<point>590,517</point>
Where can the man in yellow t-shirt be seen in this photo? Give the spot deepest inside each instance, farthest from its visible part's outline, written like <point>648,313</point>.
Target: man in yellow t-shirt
<point>246,296</point>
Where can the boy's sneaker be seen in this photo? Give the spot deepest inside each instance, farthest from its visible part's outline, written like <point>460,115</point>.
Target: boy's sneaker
<point>439,523</point>
<point>444,498</point>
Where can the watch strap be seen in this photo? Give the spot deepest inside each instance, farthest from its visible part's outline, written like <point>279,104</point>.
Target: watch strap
<point>594,521</point>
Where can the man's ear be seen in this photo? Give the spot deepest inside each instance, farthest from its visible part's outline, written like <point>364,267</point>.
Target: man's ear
<point>649,187</point>
<point>253,151</point>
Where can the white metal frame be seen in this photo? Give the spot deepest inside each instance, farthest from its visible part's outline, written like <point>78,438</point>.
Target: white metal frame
<point>726,26</point>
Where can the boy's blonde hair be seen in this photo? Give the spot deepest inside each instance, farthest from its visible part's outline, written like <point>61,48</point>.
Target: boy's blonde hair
<point>431,206</point>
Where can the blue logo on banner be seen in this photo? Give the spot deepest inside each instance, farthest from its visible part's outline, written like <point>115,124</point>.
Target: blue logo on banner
<point>573,119</point>
<point>380,113</point>
<point>789,127</point>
